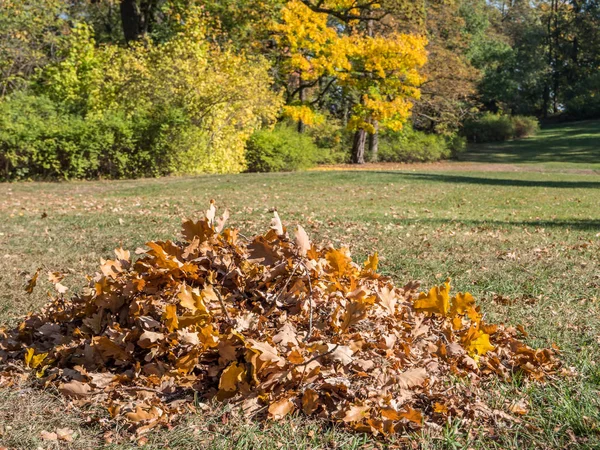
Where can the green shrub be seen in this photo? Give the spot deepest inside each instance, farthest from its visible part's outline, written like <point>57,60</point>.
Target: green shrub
<point>525,126</point>
<point>282,149</point>
<point>333,141</point>
<point>409,145</point>
<point>38,139</point>
<point>498,127</point>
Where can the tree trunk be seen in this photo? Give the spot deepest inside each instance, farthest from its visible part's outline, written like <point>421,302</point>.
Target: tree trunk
<point>374,142</point>
<point>131,20</point>
<point>358,148</point>
<point>302,94</point>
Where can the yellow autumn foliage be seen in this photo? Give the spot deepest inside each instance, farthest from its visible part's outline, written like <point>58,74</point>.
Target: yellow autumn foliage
<point>382,70</point>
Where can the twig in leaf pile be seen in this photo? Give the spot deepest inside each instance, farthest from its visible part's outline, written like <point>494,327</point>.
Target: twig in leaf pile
<point>320,355</point>
<point>286,284</point>
<point>310,304</point>
<point>223,307</point>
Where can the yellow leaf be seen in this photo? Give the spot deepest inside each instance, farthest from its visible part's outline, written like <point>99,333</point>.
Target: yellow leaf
<point>339,261</point>
<point>372,262</point>
<point>462,303</point>
<point>437,301</point>
<point>170,317</point>
<point>32,360</point>
<point>480,345</point>
<point>231,377</point>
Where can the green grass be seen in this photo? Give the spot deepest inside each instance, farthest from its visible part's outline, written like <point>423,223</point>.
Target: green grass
<point>574,145</point>
<point>531,237</point>
<point>525,243</point>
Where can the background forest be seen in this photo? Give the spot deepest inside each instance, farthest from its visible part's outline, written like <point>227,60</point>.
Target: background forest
<point>134,88</point>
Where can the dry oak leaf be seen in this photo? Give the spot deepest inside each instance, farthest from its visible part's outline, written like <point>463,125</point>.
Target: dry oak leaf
<point>191,299</point>
<point>267,352</point>
<point>48,436</point>
<point>412,415</point>
<point>32,281</point>
<point>149,338</point>
<point>356,413</point>
<point>286,335</point>
<point>277,225</point>
<point>279,409</point>
<point>65,434</point>
<point>201,229</point>
<point>170,318</point>
<point>355,312</point>
<point>108,349</point>
<point>75,389</point>
<point>140,415</point>
<point>387,299</point>
<point>411,378</point>
<point>310,400</point>
<point>436,301</point>
<point>302,241</point>
<point>372,262</point>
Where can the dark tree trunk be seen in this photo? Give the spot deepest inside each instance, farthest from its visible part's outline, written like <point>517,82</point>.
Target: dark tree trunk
<point>131,20</point>
<point>358,148</point>
<point>374,142</point>
<point>302,94</point>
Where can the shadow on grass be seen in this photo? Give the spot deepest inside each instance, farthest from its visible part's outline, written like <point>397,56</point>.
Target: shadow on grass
<point>577,143</point>
<point>460,179</point>
<point>572,224</point>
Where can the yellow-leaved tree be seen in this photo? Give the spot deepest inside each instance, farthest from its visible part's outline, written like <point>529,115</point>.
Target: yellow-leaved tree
<point>335,44</point>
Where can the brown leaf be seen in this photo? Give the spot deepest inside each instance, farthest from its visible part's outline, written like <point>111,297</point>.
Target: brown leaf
<point>65,434</point>
<point>31,283</point>
<point>387,298</point>
<point>75,389</point>
<point>411,378</point>
<point>279,409</point>
<point>356,413</point>
<point>48,436</point>
<point>302,241</point>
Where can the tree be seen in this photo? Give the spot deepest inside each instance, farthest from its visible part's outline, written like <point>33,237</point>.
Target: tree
<point>323,45</point>
<point>30,38</point>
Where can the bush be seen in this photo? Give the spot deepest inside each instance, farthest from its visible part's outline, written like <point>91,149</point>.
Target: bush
<point>525,126</point>
<point>282,149</point>
<point>497,127</point>
<point>149,109</point>
<point>40,140</point>
<point>333,141</point>
<point>409,145</point>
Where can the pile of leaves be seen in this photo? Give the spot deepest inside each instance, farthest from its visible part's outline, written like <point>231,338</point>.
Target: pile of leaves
<point>272,325</point>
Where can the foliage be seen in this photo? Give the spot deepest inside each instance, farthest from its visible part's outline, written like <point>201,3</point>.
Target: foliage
<point>30,32</point>
<point>282,149</point>
<point>276,323</point>
<point>39,140</point>
<point>498,127</point>
<point>187,107</point>
<point>409,145</point>
<point>381,71</point>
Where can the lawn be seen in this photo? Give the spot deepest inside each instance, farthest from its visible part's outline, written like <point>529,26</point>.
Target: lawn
<point>572,145</point>
<point>525,243</point>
